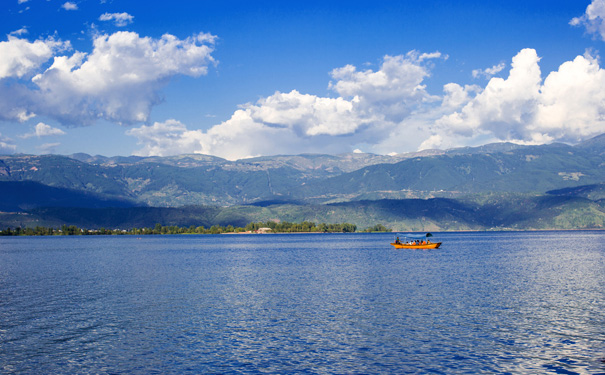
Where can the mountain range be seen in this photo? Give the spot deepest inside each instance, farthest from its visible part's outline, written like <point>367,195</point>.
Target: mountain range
<point>500,185</point>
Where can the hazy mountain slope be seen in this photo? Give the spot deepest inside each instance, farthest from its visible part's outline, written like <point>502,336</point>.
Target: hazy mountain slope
<point>595,145</point>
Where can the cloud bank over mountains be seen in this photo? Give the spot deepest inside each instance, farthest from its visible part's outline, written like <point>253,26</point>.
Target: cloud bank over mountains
<point>384,110</point>
<point>390,110</point>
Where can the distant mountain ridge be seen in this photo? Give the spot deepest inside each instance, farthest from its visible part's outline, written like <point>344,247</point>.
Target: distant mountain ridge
<point>521,169</point>
<point>495,186</point>
<point>208,180</point>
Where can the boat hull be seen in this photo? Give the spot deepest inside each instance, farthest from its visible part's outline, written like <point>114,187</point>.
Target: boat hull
<point>432,245</point>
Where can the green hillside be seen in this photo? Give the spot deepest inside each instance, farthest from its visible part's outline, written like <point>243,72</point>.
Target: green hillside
<point>478,212</point>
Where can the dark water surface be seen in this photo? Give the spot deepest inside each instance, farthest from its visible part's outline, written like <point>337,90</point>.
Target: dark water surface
<point>520,303</point>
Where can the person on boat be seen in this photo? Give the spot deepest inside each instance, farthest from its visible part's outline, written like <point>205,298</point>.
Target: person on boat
<point>397,241</point>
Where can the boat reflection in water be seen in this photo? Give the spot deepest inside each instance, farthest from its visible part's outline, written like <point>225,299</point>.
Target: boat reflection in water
<point>415,241</point>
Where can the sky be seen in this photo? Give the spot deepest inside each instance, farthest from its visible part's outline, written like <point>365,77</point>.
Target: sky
<point>239,79</point>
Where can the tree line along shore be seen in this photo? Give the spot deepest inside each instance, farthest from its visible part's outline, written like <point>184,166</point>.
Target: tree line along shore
<point>259,227</point>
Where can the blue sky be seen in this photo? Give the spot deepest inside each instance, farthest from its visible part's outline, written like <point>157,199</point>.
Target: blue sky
<point>238,79</point>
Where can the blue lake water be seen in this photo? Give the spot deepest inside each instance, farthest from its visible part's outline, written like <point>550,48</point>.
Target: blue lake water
<point>531,302</point>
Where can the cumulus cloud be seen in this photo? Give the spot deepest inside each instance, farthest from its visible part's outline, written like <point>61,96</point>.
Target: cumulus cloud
<point>43,130</point>
<point>572,103</point>
<point>505,105</point>
<point>69,6</point>
<point>569,105</point>
<point>237,138</point>
<point>307,115</point>
<point>19,57</point>
<point>118,81</point>
<point>166,138</point>
<point>284,124</point>
<point>455,95</point>
<point>119,19</point>
<point>370,105</point>
<point>393,91</point>
<point>593,19</point>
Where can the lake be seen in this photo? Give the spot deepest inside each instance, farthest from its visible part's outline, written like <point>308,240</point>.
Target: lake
<point>489,302</point>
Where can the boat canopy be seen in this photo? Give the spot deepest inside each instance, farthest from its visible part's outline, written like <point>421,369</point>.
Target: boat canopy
<point>415,235</point>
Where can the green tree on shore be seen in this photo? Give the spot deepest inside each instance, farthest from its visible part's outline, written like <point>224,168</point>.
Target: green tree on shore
<point>276,227</point>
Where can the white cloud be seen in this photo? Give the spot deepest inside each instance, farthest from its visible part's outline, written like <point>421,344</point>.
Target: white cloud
<point>455,96</point>
<point>22,1</point>
<point>505,105</point>
<point>120,19</point>
<point>284,124</point>
<point>69,6</point>
<point>391,92</point>
<point>568,106</point>
<point>118,81</point>
<point>390,111</point>
<point>19,57</point>
<point>572,103</point>
<point>489,72</point>
<point>307,115</point>
<point>6,145</point>
<point>386,110</point>
<point>593,19</point>
<point>237,138</point>
<point>43,130</point>
<point>167,138</point>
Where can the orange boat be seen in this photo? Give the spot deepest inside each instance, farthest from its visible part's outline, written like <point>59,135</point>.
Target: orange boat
<point>416,241</point>
<point>428,245</point>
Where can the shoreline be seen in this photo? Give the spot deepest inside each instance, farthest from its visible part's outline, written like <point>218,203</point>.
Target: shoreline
<point>294,233</point>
